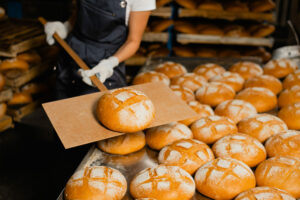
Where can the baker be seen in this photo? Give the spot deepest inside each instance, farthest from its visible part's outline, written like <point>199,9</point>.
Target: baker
<point>104,34</point>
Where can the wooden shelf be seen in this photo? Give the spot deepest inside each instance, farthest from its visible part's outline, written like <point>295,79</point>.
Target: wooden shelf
<point>155,37</point>
<point>165,12</point>
<point>270,17</point>
<point>211,39</point>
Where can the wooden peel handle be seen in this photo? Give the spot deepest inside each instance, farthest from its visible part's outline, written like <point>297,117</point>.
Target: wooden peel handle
<point>75,57</point>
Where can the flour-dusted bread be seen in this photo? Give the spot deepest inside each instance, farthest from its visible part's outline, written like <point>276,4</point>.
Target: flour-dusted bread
<point>171,69</point>
<point>265,193</point>
<point>232,79</point>
<point>292,80</point>
<point>289,96</point>
<point>265,81</point>
<point>291,116</point>
<point>246,69</point>
<point>184,93</point>
<point>280,68</point>
<point>209,70</point>
<point>150,77</point>
<point>191,81</point>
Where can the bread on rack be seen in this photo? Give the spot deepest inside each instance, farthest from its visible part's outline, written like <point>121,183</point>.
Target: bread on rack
<point>161,25</point>
<point>2,81</point>
<point>206,52</point>
<point>280,68</point>
<point>258,52</point>
<point>289,96</point>
<point>209,70</point>
<point>262,5</point>
<point>190,4</point>
<point>261,98</point>
<point>125,110</point>
<point>236,6</point>
<point>216,178</point>
<point>163,183</point>
<point>265,81</point>
<point>3,109</point>
<point>210,129</point>
<point>161,136</point>
<point>97,182</point>
<point>2,12</point>
<point>184,51</point>
<point>201,109</point>
<point>20,98</point>
<point>124,144</point>
<point>284,144</point>
<point>191,81</point>
<point>291,116</point>
<point>214,93</point>
<point>210,5</point>
<point>211,30</point>
<point>241,147</point>
<point>171,69</point>
<point>262,126</point>
<point>235,30</point>
<point>185,27</point>
<point>30,57</point>
<point>280,172</point>
<point>187,154</point>
<point>159,52</point>
<point>246,69</point>
<point>184,93</point>
<point>292,80</point>
<point>265,193</point>
<point>160,3</point>
<point>150,77</point>
<point>262,30</point>
<point>34,88</point>
<point>232,79</point>
<point>229,53</point>
<point>13,64</point>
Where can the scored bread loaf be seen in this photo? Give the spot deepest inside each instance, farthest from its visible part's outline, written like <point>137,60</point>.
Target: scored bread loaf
<point>234,80</point>
<point>171,69</point>
<point>191,81</point>
<point>20,98</point>
<point>246,69</point>
<point>184,93</point>
<point>265,81</point>
<point>209,70</point>
<point>291,116</point>
<point>150,77</point>
<point>280,68</point>
<point>292,80</point>
<point>187,154</point>
<point>264,193</point>
<point>163,183</point>
<point>262,5</point>
<point>289,96</point>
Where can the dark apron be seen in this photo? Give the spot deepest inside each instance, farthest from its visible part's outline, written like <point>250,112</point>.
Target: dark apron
<point>100,30</point>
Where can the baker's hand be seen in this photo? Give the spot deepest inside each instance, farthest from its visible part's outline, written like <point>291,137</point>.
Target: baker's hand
<point>103,70</point>
<point>62,29</point>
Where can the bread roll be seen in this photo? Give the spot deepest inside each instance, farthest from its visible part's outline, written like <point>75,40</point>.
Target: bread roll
<point>235,109</point>
<point>129,159</point>
<point>184,51</point>
<point>265,81</point>
<point>284,144</point>
<point>190,4</point>
<point>20,98</point>
<point>231,53</point>
<point>236,6</point>
<point>125,110</point>
<point>171,69</point>
<point>289,96</point>
<point>161,25</point>
<point>34,88</point>
<point>184,93</point>
<point>187,154</point>
<point>159,52</point>
<point>224,178</point>
<point>30,57</point>
<point>3,109</point>
<point>280,68</point>
<point>291,116</point>
<point>98,182</point>
<point>210,5</point>
<point>163,183</point>
<point>161,136</point>
<point>14,63</point>
<point>262,5</point>
<point>246,69</point>
<point>241,147</point>
<point>206,52</point>
<point>262,126</point>
<point>214,93</point>
<point>202,111</point>
<point>2,12</point>
<point>124,144</point>
<point>210,129</point>
<point>151,77</point>
<point>234,80</point>
<point>280,172</point>
<point>191,81</point>
<point>264,193</point>
<point>292,79</point>
<point>2,81</point>
<point>262,99</point>
<point>212,30</point>
<point>263,30</point>
<point>209,70</point>
<point>236,31</point>
<point>185,27</point>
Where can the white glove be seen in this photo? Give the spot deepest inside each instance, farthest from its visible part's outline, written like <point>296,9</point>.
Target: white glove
<point>62,29</point>
<point>103,70</point>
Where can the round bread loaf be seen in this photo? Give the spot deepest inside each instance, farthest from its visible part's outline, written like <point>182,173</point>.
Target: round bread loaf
<point>235,31</point>
<point>234,80</point>
<point>292,79</point>
<point>184,51</point>
<point>262,99</point>
<point>265,81</point>
<point>264,193</point>
<point>280,68</point>
<point>124,144</point>
<point>187,154</point>
<point>291,116</point>
<point>30,57</point>
<point>14,63</point>
<point>206,52</point>
<point>241,147</point>
<point>161,136</point>
<point>19,99</point>
<point>129,159</point>
<point>98,182</point>
<point>262,126</point>
<point>3,109</point>
<point>163,183</point>
<point>289,96</point>
<point>209,70</point>
<point>211,30</point>
<point>171,69</point>
<point>284,144</point>
<point>151,77</point>
<point>262,6</point>
<point>210,129</point>
<point>185,27</point>
<point>2,12</point>
<point>262,30</point>
<point>190,80</point>
<point>2,81</point>
<point>235,109</point>
<point>214,93</point>
<point>125,110</point>
<point>158,26</point>
<point>210,5</point>
<point>201,109</point>
<point>184,93</point>
<point>231,53</point>
<point>224,178</point>
<point>236,6</point>
<point>280,172</point>
<point>246,69</point>
<point>145,199</point>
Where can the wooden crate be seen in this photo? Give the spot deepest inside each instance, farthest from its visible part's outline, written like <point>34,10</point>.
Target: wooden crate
<point>20,35</point>
<point>209,14</point>
<point>6,122</point>
<point>6,94</point>
<point>164,12</point>
<point>18,113</point>
<point>155,37</point>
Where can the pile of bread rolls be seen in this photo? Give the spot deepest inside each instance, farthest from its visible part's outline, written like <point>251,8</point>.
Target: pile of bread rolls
<point>234,149</point>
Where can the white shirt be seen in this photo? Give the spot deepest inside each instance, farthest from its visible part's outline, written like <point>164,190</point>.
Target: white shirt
<point>139,5</point>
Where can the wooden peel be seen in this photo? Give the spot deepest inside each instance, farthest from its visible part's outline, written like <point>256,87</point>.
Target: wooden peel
<point>76,58</point>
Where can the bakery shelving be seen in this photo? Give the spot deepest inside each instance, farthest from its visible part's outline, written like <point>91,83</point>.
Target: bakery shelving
<point>6,122</point>
<point>155,37</point>
<point>164,12</point>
